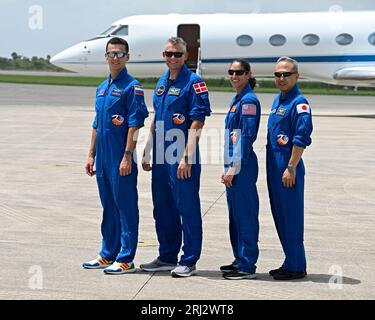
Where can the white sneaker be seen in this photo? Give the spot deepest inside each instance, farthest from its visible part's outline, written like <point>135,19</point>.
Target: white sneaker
<point>120,268</point>
<point>183,271</point>
<point>98,263</point>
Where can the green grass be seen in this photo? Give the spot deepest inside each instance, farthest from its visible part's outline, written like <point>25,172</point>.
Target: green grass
<point>52,80</point>
<point>264,86</point>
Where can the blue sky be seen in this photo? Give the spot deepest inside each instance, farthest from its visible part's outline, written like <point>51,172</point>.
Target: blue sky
<point>41,27</point>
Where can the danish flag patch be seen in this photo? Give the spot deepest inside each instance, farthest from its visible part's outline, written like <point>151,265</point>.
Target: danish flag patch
<point>200,87</point>
<point>303,107</point>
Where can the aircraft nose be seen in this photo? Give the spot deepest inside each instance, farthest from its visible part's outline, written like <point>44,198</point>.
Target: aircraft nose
<point>69,56</point>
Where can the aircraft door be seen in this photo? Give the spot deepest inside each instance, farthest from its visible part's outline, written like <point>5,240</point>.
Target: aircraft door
<point>191,34</point>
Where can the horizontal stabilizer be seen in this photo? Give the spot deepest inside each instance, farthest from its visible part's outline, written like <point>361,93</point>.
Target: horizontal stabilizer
<point>355,73</point>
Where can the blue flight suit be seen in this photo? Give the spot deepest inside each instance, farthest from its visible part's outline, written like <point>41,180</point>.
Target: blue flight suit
<point>176,201</point>
<point>289,124</point>
<point>242,124</point>
<point>119,105</point>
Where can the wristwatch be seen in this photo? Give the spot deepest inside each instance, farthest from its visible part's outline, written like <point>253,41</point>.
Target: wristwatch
<point>291,169</point>
<point>128,153</point>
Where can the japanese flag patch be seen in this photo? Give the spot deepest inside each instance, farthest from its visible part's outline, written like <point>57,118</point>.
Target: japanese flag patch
<point>303,107</point>
<point>200,87</point>
<point>249,109</point>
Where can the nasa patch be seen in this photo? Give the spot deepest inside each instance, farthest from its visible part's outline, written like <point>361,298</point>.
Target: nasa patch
<point>160,90</point>
<point>178,118</point>
<point>118,119</point>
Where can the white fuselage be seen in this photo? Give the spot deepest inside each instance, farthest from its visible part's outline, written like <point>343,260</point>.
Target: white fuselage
<point>352,63</point>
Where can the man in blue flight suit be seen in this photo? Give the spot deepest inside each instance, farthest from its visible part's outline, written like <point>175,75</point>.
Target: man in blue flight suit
<point>181,105</point>
<point>120,112</point>
<point>289,133</point>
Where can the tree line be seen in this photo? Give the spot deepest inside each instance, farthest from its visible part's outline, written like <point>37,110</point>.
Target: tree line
<point>19,62</point>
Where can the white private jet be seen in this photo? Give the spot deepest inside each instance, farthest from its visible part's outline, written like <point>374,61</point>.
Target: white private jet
<point>333,47</point>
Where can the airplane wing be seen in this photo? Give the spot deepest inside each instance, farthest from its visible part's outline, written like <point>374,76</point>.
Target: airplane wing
<point>355,73</point>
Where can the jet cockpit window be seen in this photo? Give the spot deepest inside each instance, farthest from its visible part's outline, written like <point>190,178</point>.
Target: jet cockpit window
<point>371,38</point>
<point>108,31</point>
<point>344,39</point>
<point>122,31</point>
<point>277,40</point>
<point>310,39</point>
<point>244,40</point>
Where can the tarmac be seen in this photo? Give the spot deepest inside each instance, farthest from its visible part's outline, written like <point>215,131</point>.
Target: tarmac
<point>50,212</point>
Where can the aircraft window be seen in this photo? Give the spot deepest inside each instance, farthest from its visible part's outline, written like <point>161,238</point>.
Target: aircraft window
<point>310,39</point>
<point>371,38</point>
<point>122,31</point>
<point>344,39</point>
<point>277,40</point>
<point>244,40</point>
<point>108,31</point>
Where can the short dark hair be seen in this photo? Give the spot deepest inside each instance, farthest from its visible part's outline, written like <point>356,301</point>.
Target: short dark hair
<point>116,40</point>
<point>246,66</point>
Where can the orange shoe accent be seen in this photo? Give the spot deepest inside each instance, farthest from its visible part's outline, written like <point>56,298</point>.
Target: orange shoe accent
<point>124,266</point>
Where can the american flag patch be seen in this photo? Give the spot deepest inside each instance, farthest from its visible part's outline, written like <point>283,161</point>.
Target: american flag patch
<point>138,91</point>
<point>249,109</point>
<point>200,87</point>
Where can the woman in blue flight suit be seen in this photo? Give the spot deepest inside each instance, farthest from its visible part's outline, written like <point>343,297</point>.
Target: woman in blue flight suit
<point>241,173</point>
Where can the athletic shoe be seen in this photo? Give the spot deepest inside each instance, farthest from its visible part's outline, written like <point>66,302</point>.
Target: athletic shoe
<point>157,265</point>
<point>239,275</point>
<point>98,263</point>
<point>274,271</point>
<point>183,271</point>
<point>120,268</point>
<point>288,275</point>
<point>229,268</point>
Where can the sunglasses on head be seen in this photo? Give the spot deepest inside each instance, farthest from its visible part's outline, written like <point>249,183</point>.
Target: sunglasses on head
<point>118,54</point>
<point>170,54</point>
<point>238,72</point>
<point>283,74</point>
